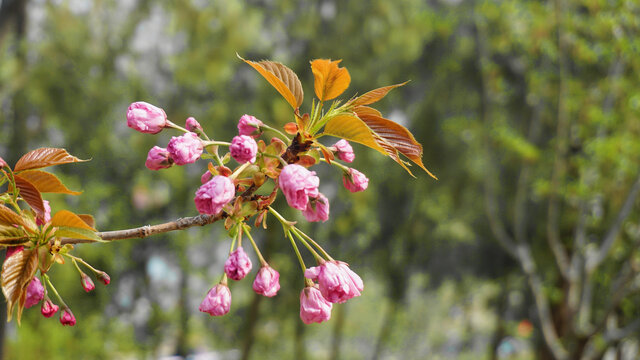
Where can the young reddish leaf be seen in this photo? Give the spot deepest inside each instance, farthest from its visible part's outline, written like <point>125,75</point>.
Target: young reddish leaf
<point>12,236</point>
<point>352,128</point>
<point>282,79</point>
<point>47,182</point>
<point>330,80</point>
<point>366,111</point>
<point>8,217</point>
<point>301,121</point>
<point>374,95</point>
<point>88,219</point>
<point>328,155</point>
<point>31,195</point>
<point>44,157</point>
<point>69,219</point>
<point>306,161</point>
<point>398,137</point>
<point>17,271</point>
<point>291,128</point>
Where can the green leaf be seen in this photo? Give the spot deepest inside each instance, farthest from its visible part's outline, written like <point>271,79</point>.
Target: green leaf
<point>78,233</point>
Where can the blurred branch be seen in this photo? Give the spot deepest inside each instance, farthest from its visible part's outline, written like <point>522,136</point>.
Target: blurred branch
<point>145,231</point>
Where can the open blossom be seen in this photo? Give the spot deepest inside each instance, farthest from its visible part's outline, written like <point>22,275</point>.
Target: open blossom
<point>192,124</point>
<point>298,184</point>
<point>248,125</point>
<point>146,118</point>
<point>48,308</point>
<point>35,293</point>
<point>185,149</point>
<point>317,209</point>
<point>345,151</point>
<point>217,302</point>
<point>336,281</point>
<point>213,195</point>
<point>238,264</point>
<point>87,283</point>
<point>243,148</point>
<point>267,281</point>
<point>355,181</point>
<point>47,214</point>
<point>67,318</point>
<point>313,306</point>
<point>158,158</point>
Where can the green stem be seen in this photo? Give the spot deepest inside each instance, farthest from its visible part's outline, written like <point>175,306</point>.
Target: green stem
<point>314,243</point>
<point>177,127</point>
<point>333,162</point>
<point>295,248</point>
<point>284,163</point>
<point>255,247</point>
<point>239,170</point>
<point>75,258</point>
<point>209,143</point>
<point>282,135</point>
<point>317,256</point>
<point>233,244</point>
<point>223,279</point>
<point>55,292</point>
<point>285,223</point>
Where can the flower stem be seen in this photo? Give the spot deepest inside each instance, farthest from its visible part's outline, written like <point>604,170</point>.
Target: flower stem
<point>282,135</point>
<point>285,222</point>
<point>315,254</point>
<point>75,258</point>
<point>55,292</point>
<point>255,247</point>
<point>239,170</point>
<point>299,232</point>
<point>208,143</point>
<point>284,163</point>
<point>333,162</point>
<point>223,279</point>
<point>295,248</point>
<point>177,127</point>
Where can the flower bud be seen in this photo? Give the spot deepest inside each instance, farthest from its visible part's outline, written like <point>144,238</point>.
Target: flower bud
<point>355,181</point>
<point>213,195</point>
<point>345,151</point>
<point>87,283</point>
<point>104,277</point>
<point>298,184</point>
<point>35,293</point>
<point>314,307</point>
<point>185,149</point>
<point>67,318</point>
<point>249,125</point>
<point>336,281</point>
<point>238,264</point>
<point>192,124</point>
<point>243,148</point>
<point>158,158</point>
<point>146,118</point>
<point>267,281</point>
<point>217,302</point>
<point>48,308</point>
<point>3,163</point>
<point>13,249</point>
<point>317,209</point>
<point>47,214</point>
<point>206,177</point>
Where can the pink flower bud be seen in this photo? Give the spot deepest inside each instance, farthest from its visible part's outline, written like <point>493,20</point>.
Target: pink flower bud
<point>248,125</point>
<point>185,149</point>
<point>355,181</point>
<point>192,124</point>
<point>206,177</point>
<point>213,195</point>
<point>243,148</point>
<point>314,307</point>
<point>35,293</point>
<point>297,184</point>
<point>267,281</point>
<point>48,308</point>
<point>217,302</point>
<point>3,163</point>
<point>47,214</point>
<point>317,209</point>
<point>158,158</point>
<point>336,281</point>
<point>345,151</point>
<point>238,264</point>
<point>67,318</point>
<point>104,277</point>
<point>13,249</point>
<point>87,283</point>
<point>146,118</point>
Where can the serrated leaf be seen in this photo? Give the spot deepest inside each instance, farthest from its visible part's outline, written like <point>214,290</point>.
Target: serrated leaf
<point>69,219</point>
<point>31,195</point>
<point>12,236</point>
<point>352,128</point>
<point>329,80</point>
<point>17,271</point>
<point>44,157</point>
<point>9,217</point>
<point>283,79</point>
<point>399,137</point>
<point>375,95</point>
<point>46,182</point>
<point>77,233</point>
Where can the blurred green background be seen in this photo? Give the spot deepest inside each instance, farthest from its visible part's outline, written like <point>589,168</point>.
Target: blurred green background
<point>529,113</point>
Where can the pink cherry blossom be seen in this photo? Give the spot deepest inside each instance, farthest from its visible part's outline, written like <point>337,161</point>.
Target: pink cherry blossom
<point>13,249</point>
<point>87,283</point>
<point>243,148</point>
<point>355,181</point>
<point>345,151</point>
<point>206,177</point>
<point>185,149</point>
<point>317,209</point>
<point>213,195</point>
<point>336,281</point>
<point>217,302</point>
<point>313,306</point>
<point>248,125</point>
<point>192,124</point>
<point>35,293</point>
<point>146,118</point>
<point>48,308</point>
<point>238,264</point>
<point>298,184</point>
<point>67,318</point>
<point>47,214</point>
<point>158,158</point>
<point>267,281</point>
<point>2,163</point>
